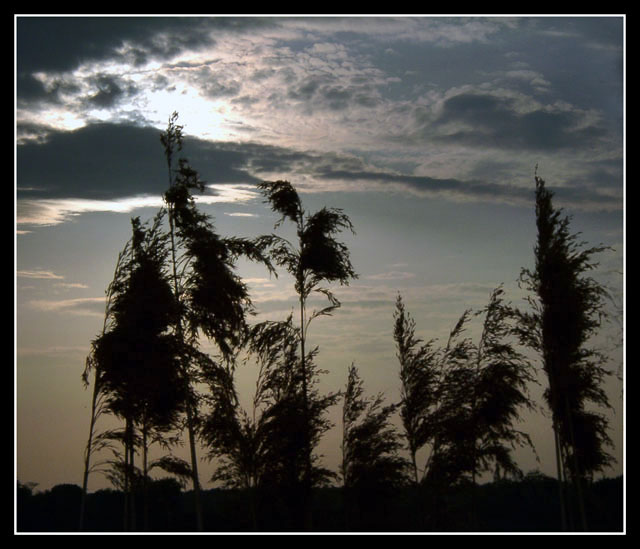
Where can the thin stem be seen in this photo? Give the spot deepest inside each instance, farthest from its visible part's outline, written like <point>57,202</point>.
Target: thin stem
<point>180,333</point>
<point>95,410</point>
<point>307,441</point>
<point>88,451</point>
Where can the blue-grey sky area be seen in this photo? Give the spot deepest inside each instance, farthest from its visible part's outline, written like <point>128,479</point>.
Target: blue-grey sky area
<point>425,130</point>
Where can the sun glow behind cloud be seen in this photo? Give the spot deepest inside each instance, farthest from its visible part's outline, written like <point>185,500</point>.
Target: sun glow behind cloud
<point>110,91</point>
<point>200,117</point>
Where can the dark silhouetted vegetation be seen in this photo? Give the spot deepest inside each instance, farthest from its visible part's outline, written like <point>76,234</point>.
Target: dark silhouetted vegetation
<point>481,396</point>
<point>316,258</point>
<point>464,400</point>
<point>372,468</point>
<point>211,298</point>
<point>420,371</point>
<point>170,286</point>
<point>264,451</point>
<point>529,504</point>
<point>567,308</point>
<point>138,356</point>
<point>412,465</point>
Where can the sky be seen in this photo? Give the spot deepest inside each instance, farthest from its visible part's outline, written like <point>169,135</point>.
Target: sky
<point>427,131</point>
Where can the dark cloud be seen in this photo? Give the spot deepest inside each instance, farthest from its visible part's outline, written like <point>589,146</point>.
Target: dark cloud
<point>471,189</point>
<point>110,90</point>
<point>30,90</point>
<point>321,92</point>
<point>116,160</point>
<point>337,98</point>
<point>105,161</point>
<point>490,121</point>
<point>213,86</point>
<point>581,58</point>
<point>100,161</point>
<point>606,32</point>
<point>492,169</point>
<point>600,181</point>
<point>574,193</point>
<point>305,90</point>
<point>63,43</point>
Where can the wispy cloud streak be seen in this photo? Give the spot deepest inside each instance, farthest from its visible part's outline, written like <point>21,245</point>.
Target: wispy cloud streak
<point>38,274</point>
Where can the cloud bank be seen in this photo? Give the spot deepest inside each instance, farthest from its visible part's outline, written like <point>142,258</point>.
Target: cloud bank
<point>462,108</point>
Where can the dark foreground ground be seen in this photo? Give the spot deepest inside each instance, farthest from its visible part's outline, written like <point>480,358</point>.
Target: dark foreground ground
<point>530,505</point>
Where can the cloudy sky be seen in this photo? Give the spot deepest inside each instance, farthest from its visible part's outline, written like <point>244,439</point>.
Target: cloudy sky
<point>426,131</point>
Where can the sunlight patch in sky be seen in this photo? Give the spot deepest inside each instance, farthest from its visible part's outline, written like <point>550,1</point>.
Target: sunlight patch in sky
<point>200,117</point>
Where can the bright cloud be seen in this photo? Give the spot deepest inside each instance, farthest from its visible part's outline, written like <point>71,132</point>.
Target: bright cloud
<point>39,274</point>
<point>86,306</point>
<point>55,211</point>
<point>52,212</point>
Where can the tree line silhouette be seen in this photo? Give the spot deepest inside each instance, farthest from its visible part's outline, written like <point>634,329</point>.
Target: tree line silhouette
<point>175,284</point>
<point>529,504</point>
